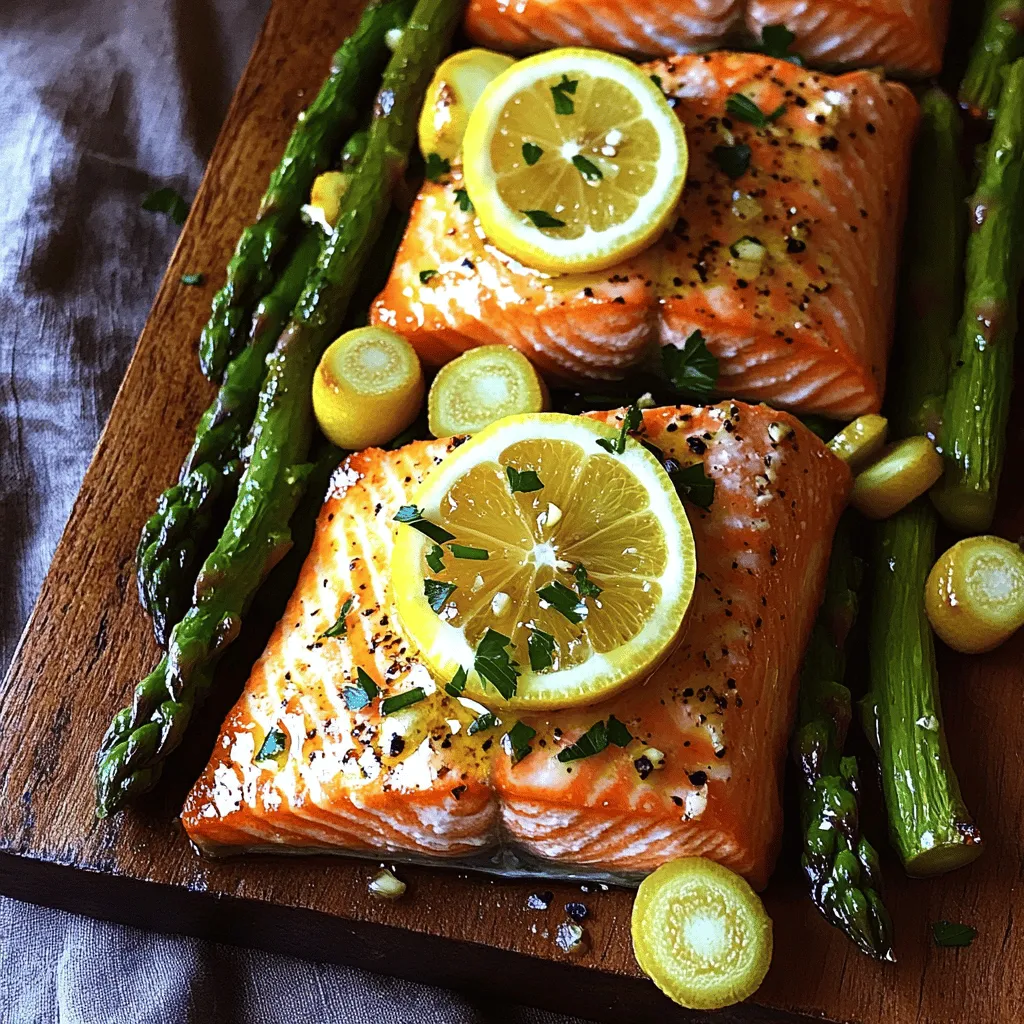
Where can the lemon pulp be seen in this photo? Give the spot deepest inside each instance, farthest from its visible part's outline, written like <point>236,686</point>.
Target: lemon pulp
<point>587,573</point>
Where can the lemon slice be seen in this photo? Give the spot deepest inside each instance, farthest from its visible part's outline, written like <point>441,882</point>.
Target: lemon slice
<point>574,160</point>
<point>536,569</point>
<point>701,934</point>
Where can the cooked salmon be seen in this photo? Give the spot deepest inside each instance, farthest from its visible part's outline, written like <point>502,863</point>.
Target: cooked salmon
<point>719,710</point>
<point>904,36</point>
<point>788,269</point>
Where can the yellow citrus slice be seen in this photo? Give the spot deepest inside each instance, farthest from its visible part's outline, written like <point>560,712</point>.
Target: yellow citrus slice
<point>367,388</point>
<point>574,160</point>
<point>701,934</point>
<point>545,563</point>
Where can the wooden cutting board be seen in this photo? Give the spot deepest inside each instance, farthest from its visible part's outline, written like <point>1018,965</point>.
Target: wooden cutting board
<point>88,641</point>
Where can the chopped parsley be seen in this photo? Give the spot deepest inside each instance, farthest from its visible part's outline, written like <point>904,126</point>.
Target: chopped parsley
<point>426,275</point>
<point>618,733</point>
<point>743,108</point>
<point>437,593</point>
<point>563,600</point>
<point>273,746</point>
<point>390,705</point>
<point>359,696</point>
<point>656,79</point>
<point>590,171</point>
<point>340,628</point>
<point>435,558</point>
<point>733,160</point>
<point>437,167</point>
<point>776,41</point>
<point>633,418</point>
<point>366,684</point>
<point>463,201</point>
<point>693,483</point>
<point>485,721</point>
<point>522,480</point>
<point>951,933</point>
<point>411,515</point>
<point>585,587</point>
<point>464,551</point>
<point>541,646</point>
<point>493,663</point>
<point>592,742</point>
<point>692,368</point>
<point>543,219</point>
<point>192,279</point>
<point>562,94</point>
<point>532,153</point>
<point>458,684</point>
<point>518,741</point>
<point>167,200</point>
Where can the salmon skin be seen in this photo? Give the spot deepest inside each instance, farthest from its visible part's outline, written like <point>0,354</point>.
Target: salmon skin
<point>805,326</point>
<point>337,776</point>
<point>903,36</point>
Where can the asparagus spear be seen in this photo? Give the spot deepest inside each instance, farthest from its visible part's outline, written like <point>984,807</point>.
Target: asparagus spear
<point>314,142</point>
<point>257,534</point>
<point>977,405</point>
<point>841,865</point>
<point>190,514</point>
<point>999,44</point>
<point>930,826</point>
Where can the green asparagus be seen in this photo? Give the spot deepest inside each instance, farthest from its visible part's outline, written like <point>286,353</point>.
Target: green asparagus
<point>977,405</point>
<point>257,534</point>
<point>190,514</point>
<point>930,826</point>
<point>315,141</point>
<point>999,44</point>
<point>841,865</point>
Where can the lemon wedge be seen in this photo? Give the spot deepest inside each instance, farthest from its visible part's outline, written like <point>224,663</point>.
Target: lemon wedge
<point>545,563</point>
<point>573,160</point>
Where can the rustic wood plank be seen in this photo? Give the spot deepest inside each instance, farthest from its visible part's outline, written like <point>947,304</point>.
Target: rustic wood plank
<point>88,641</point>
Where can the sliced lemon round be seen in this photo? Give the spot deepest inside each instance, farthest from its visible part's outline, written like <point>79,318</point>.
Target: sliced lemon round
<point>574,160</point>
<point>545,563</point>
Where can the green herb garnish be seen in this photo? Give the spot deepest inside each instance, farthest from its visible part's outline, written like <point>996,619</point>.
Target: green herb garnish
<point>340,628</point>
<point>192,279</point>
<point>743,108</point>
<point>410,515</point>
<point>589,170</point>
<point>692,368</point>
<point>366,683</point>
<point>426,275</point>
<point>435,558</point>
<point>541,646</point>
<point>390,705</point>
<point>632,419</point>
<point>273,746</point>
<point>437,167</point>
<point>693,483</point>
<point>359,696</point>
<point>519,737</point>
<point>525,480</point>
<point>951,933</point>
<point>437,593</point>
<point>458,684</point>
<point>585,586</point>
<point>494,664</point>
<point>733,160</point>
<point>485,721</point>
<point>618,733</point>
<point>543,219</point>
<point>532,153</point>
<point>776,41</point>
<point>656,79</point>
<point>465,204</point>
<point>563,600</point>
<point>592,742</point>
<point>561,95</point>
<point>464,551</point>
<point>167,200</point>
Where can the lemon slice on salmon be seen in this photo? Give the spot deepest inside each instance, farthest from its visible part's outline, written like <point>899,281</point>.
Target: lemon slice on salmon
<point>574,160</point>
<point>545,563</point>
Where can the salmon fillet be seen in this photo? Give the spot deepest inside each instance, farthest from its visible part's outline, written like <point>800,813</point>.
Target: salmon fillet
<point>806,327</point>
<point>905,36</point>
<point>720,709</point>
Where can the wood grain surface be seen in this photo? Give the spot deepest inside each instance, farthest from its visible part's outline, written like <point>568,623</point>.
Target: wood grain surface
<point>88,641</point>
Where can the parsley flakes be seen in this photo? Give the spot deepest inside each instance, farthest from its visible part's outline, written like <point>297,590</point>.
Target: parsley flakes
<point>541,646</point>
<point>522,480</point>
<point>693,483</point>
<point>564,601</point>
<point>633,418</point>
<point>733,160</point>
<point>494,664</point>
<point>543,219</point>
<point>691,369</point>
<point>437,167</point>
<point>411,515</point>
<point>340,628</point>
<point>273,746</point>
<point>590,171</point>
<point>532,153</point>
<point>562,93</point>
<point>437,593</point>
<point>743,108</point>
